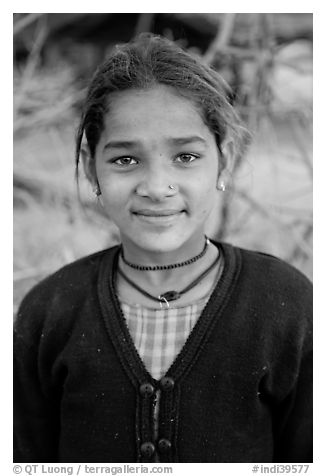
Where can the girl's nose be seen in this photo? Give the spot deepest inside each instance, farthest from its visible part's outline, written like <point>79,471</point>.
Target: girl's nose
<point>157,186</point>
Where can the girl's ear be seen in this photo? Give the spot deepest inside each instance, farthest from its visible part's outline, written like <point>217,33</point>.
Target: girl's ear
<point>227,159</point>
<point>89,165</point>
<point>226,163</point>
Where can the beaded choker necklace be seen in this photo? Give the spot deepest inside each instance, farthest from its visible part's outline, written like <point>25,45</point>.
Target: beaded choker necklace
<point>169,295</point>
<point>166,266</point>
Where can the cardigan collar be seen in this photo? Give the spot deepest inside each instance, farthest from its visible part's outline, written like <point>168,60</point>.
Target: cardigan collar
<point>118,332</point>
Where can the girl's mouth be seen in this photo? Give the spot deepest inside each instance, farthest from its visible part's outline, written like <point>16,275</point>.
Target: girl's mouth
<point>157,213</point>
<point>165,216</point>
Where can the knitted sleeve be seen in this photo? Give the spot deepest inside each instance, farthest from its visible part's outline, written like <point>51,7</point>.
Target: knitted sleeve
<point>43,339</point>
<point>289,379</point>
<point>293,422</point>
<point>279,329</point>
<point>36,415</point>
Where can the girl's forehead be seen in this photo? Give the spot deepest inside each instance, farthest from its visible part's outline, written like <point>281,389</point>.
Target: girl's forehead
<point>158,107</point>
<point>156,95</point>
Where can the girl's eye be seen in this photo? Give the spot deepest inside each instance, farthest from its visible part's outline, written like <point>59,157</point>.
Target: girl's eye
<point>124,161</point>
<point>186,158</point>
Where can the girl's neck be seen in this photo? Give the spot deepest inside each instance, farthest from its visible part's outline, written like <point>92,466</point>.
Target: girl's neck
<point>176,278</point>
<point>165,266</point>
<point>142,257</point>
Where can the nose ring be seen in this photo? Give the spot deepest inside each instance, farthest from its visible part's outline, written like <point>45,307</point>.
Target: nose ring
<point>171,187</point>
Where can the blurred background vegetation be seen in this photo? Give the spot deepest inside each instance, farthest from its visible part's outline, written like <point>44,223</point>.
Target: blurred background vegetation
<point>267,58</point>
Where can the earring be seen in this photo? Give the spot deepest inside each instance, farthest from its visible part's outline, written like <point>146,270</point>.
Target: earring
<point>97,190</point>
<point>221,186</point>
<point>171,187</point>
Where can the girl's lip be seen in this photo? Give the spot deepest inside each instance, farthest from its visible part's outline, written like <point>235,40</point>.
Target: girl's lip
<point>157,213</point>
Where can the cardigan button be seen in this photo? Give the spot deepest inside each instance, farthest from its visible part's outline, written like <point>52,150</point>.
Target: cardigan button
<point>167,383</point>
<point>147,449</point>
<point>164,445</point>
<point>146,389</point>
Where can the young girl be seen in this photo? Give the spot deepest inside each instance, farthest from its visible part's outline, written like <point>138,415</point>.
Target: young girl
<point>170,347</point>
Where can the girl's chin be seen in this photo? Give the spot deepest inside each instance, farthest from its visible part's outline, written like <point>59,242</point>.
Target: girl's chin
<point>162,243</point>
<point>158,245</point>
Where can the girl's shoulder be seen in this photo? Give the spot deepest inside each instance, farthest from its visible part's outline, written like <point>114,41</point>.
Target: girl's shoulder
<point>277,296</point>
<point>66,288</point>
<point>265,266</point>
<point>276,269</point>
<point>269,280</point>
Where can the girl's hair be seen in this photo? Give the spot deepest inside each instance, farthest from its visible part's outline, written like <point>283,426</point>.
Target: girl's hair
<point>151,60</point>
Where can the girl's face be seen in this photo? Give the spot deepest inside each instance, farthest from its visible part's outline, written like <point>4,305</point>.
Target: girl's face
<point>157,167</point>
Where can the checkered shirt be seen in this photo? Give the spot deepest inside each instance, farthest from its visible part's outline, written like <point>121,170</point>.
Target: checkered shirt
<point>159,334</point>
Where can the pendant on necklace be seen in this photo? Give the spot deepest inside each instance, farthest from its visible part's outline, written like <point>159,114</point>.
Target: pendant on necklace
<point>169,296</point>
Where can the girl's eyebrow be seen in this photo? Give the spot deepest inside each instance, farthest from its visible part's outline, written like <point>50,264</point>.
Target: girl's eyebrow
<point>186,140</point>
<point>124,144</point>
<point>120,144</point>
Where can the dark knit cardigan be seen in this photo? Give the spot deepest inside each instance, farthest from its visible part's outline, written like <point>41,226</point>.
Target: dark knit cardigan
<point>239,391</point>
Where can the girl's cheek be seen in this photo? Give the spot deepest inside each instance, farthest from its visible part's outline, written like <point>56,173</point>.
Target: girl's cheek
<point>206,188</point>
<point>110,186</point>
